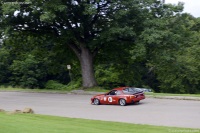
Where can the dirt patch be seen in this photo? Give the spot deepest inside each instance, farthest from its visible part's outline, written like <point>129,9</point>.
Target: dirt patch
<point>2,110</point>
<point>17,111</point>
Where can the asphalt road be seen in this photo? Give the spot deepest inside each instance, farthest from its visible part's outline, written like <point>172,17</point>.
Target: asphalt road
<point>164,112</point>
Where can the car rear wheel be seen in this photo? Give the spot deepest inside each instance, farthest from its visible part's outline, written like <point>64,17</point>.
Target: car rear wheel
<point>96,101</point>
<point>122,102</point>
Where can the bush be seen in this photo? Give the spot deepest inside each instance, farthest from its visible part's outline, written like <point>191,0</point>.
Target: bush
<point>27,73</point>
<point>75,84</point>
<point>4,65</point>
<point>55,85</point>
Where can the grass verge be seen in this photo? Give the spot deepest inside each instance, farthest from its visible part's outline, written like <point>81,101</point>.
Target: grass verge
<point>31,123</point>
<point>94,89</point>
<point>31,90</point>
<point>168,94</point>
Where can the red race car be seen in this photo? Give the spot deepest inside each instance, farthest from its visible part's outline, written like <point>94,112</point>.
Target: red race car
<point>121,96</point>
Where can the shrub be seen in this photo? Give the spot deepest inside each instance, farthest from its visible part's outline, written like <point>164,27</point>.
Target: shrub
<point>4,65</point>
<point>55,85</point>
<point>28,72</point>
<point>74,84</point>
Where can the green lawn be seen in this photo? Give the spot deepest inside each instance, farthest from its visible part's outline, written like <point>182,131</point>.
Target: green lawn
<point>31,123</point>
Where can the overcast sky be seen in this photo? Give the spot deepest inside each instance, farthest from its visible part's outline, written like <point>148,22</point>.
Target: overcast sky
<point>191,6</point>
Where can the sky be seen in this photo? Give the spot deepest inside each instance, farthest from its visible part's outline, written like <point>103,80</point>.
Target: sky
<point>191,6</point>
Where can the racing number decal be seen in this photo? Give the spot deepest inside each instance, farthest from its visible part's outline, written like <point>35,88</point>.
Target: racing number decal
<point>110,99</point>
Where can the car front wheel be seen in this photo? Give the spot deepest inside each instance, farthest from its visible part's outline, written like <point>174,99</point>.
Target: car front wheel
<point>122,102</point>
<point>96,101</point>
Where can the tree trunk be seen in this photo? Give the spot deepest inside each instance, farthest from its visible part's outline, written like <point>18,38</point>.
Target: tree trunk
<point>86,60</point>
<point>87,70</point>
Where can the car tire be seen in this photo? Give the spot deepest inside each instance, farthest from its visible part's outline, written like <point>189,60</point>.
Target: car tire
<point>122,102</point>
<point>96,101</point>
<point>138,102</point>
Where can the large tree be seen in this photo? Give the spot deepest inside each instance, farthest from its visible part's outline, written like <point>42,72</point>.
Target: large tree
<point>84,26</point>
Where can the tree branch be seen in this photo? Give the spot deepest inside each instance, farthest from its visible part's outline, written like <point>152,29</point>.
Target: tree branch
<point>76,50</point>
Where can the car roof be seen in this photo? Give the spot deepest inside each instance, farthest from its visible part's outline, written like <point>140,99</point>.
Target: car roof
<point>121,88</point>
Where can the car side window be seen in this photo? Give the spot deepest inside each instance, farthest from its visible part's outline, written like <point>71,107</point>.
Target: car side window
<point>118,93</point>
<point>126,91</point>
<point>114,92</point>
<point>131,90</point>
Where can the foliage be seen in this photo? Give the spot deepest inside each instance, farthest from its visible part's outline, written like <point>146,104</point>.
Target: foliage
<point>5,61</point>
<point>126,73</point>
<point>29,64</point>
<point>54,85</point>
<point>27,72</point>
<point>168,42</point>
<point>128,43</point>
<point>107,76</point>
<point>75,84</point>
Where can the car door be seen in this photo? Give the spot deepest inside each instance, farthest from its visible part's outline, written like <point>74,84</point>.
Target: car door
<point>111,97</point>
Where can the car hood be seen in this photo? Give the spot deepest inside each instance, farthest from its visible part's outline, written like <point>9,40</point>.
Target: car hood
<point>99,95</point>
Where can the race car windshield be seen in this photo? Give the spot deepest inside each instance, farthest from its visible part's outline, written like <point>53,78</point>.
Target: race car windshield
<point>132,90</point>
